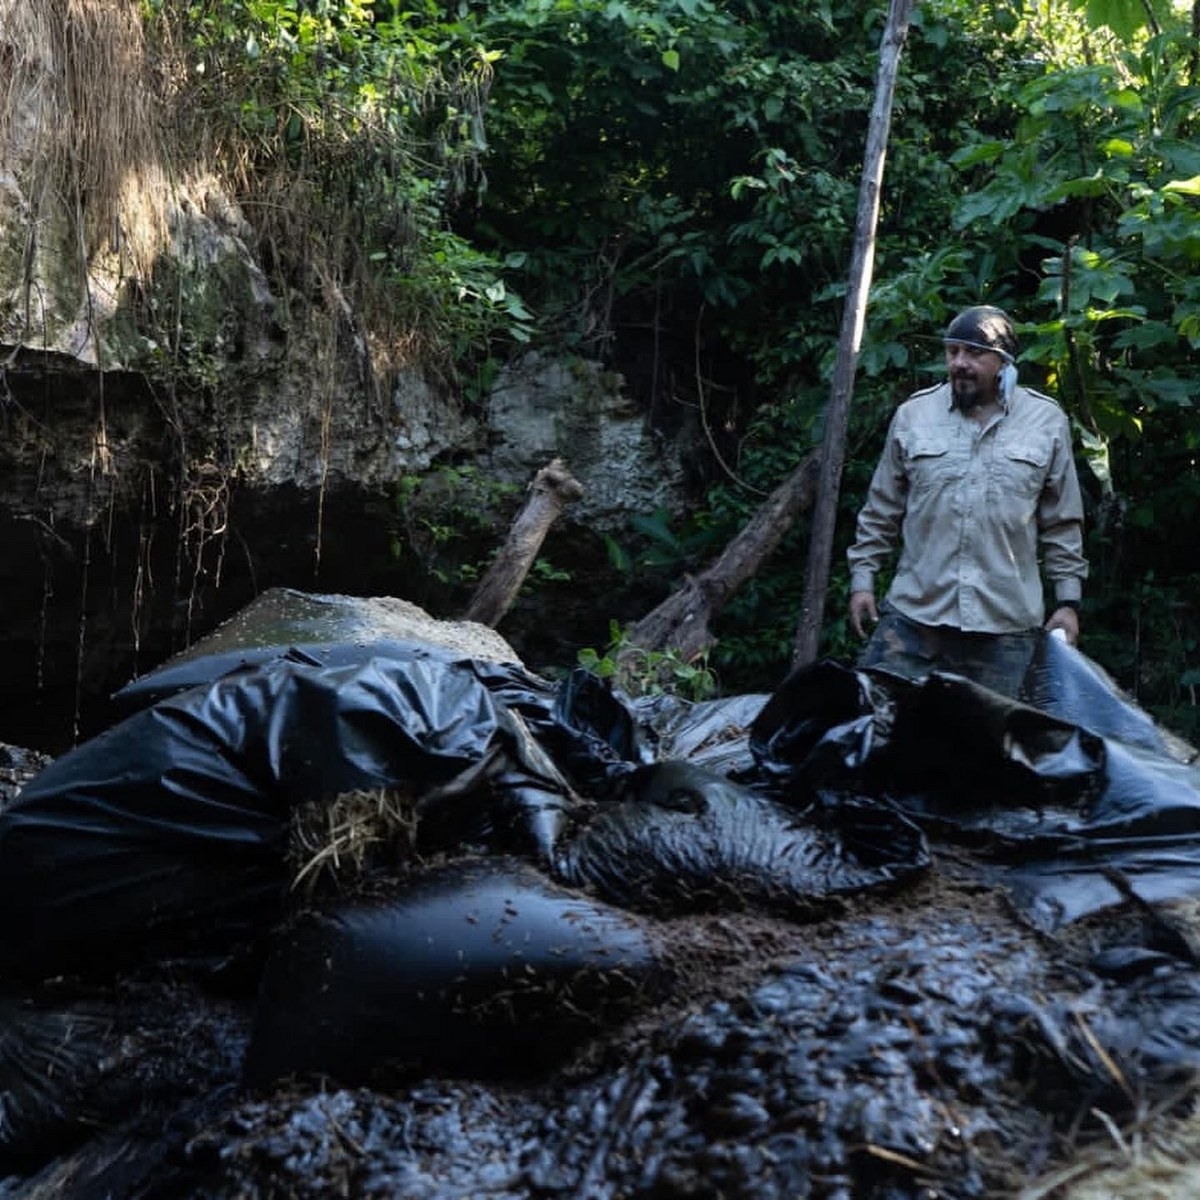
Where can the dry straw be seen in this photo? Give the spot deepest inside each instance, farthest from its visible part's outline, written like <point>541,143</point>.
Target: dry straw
<point>336,841</point>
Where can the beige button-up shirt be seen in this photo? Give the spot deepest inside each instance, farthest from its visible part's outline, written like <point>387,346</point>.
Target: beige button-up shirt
<point>972,506</point>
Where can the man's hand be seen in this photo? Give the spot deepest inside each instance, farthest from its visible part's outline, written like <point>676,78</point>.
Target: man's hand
<point>862,604</point>
<point>1066,619</point>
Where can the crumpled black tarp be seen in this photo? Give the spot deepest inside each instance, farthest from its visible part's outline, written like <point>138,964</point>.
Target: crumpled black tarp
<point>167,834</point>
<point>685,839</point>
<point>587,730</point>
<point>1058,804</point>
<point>167,831</point>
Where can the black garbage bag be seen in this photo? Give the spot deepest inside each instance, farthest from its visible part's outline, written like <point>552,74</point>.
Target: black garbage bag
<point>481,967</point>
<point>685,839</point>
<point>168,831</point>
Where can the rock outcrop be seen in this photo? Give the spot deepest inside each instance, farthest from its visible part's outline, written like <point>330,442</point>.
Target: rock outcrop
<point>183,424</point>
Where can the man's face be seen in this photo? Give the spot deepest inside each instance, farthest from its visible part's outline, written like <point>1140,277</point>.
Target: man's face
<point>973,374</point>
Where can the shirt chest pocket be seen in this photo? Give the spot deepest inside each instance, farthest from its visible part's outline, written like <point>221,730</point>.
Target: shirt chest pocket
<point>1019,469</point>
<point>931,463</point>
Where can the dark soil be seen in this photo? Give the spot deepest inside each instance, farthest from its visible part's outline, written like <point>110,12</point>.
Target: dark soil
<point>928,1043</point>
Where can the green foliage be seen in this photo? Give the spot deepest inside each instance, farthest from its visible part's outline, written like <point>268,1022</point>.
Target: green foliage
<point>446,520</point>
<point>348,132</point>
<point>670,185</point>
<point>641,147</point>
<point>659,550</point>
<point>1095,191</point>
<point>544,571</point>
<point>1096,186</point>
<point>641,672</point>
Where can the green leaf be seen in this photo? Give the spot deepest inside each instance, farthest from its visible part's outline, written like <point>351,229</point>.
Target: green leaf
<point>1091,185</point>
<point>1124,17</point>
<point>1095,449</point>
<point>1187,187</point>
<point>618,557</point>
<point>1170,388</point>
<point>981,152</point>
<point>670,60</point>
<point>1147,336</point>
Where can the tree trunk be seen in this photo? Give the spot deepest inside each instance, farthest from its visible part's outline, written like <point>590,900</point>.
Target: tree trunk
<point>552,489</point>
<point>833,448</point>
<point>681,622</point>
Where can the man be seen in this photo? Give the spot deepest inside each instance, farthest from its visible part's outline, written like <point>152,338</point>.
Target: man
<point>976,478</point>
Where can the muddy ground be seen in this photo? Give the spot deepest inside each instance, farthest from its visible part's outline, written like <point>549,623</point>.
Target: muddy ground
<point>928,1043</point>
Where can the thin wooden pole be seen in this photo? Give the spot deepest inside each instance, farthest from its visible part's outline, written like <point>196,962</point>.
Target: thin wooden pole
<point>833,448</point>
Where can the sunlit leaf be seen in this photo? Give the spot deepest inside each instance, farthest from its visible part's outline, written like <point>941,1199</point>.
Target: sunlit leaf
<point>1188,187</point>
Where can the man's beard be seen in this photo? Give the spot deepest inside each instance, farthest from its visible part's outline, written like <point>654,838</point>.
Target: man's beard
<point>966,392</point>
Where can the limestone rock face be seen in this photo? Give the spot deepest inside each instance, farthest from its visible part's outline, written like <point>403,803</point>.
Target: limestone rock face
<point>181,426</point>
<point>542,407</point>
<point>135,279</point>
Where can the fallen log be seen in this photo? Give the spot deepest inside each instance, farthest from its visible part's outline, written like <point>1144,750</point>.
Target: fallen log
<point>552,489</point>
<point>681,622</point>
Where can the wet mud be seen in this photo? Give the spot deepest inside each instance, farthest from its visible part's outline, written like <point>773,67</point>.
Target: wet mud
<point>927,1043</point>
<point>819,1003</point>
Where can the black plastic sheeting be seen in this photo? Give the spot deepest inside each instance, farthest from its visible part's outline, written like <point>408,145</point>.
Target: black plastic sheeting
<point>478,967</point>
<point>1059,807</point>
<point>190,796</point>
<point>167,832</point>
<point>167,835</point>
<point>688,840</point>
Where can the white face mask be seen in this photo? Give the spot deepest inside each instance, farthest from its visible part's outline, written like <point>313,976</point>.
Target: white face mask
<point>1008,382</point>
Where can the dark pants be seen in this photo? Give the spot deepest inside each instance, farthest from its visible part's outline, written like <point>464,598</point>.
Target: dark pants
<point>998,661</point>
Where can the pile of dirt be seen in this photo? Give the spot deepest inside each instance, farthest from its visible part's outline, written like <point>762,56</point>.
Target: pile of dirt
<point>279,616</point>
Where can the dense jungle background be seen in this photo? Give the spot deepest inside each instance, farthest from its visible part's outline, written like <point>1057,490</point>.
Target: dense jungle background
<point>667,188</point>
